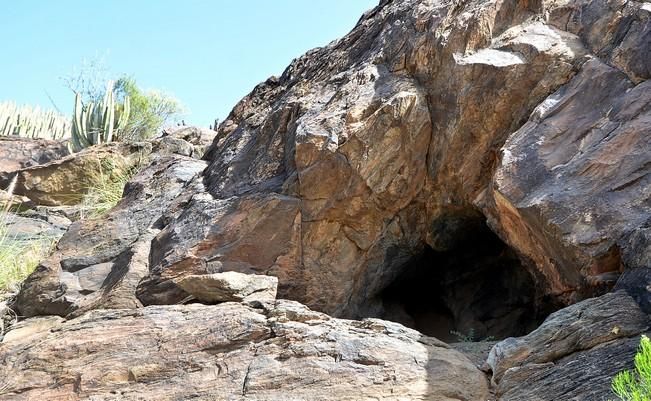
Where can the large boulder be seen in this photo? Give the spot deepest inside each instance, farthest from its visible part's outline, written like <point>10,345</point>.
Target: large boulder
<point>230,287</point>
<point>573,355</point>
<point>17,153</point>
<point>99,262</point>
<point>229,352</point>
<point>572,190</point>
<point>65,181</point>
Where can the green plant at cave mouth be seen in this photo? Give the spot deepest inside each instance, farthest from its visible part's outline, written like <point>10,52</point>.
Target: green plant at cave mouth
<point>635,384</point>
<point>471,337</point>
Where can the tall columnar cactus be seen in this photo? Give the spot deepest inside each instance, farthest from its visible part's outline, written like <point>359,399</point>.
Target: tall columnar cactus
<point>93,124</point>
<point>32,122</point>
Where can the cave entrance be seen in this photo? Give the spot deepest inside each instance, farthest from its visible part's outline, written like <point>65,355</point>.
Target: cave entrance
<point>475,288</point>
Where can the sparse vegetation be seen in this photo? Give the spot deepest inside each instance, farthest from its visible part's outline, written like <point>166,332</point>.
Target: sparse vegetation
<point>635,384</point>
<point>18,258</point>
<point>107,188</point>
<point>98,122</point>
<point>32,122</point>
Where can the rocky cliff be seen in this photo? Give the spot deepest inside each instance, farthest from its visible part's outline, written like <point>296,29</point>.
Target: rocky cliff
<point>453,166</point>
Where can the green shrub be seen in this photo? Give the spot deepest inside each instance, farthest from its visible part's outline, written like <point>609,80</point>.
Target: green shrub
<point>150,110</point>
<point>471,337</point>
<point>635,384</point>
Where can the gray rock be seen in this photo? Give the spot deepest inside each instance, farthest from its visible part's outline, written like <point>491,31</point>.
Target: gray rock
<point>98,263</point>
<point>576,328</point>
<point>229,287</point>
<point>637,284</point>
<point>569,345</point>
<point>230,352</point>
<point>581,376</point>
<point>35,226</point>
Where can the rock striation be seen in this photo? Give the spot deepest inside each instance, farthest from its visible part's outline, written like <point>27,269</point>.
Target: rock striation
<point>573,355</point>
<point>229,352</point>
<point>99,262</point>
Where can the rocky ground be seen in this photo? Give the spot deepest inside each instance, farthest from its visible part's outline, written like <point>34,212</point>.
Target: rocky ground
<point>476,168</point>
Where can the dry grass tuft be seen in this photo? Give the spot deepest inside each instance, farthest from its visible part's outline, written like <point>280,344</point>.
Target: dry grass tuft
<point>18,258</point>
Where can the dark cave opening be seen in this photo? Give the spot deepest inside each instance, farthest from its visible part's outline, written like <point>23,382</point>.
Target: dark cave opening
<point>475,288</point>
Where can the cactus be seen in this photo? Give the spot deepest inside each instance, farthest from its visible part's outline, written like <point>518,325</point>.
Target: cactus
<point>93,124</point>
<point>32,122</point>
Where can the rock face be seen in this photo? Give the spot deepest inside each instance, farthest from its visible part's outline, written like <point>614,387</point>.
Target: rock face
<point>185,141</point>
<point>35,225</point>
<point>337,174</point>
<point>573,193</point>
<point>230,352</point>
<point>17,153</point>
<point>573,355</point>
<point>406,134</point>
<point>388,152</point>
<point>98,263</point>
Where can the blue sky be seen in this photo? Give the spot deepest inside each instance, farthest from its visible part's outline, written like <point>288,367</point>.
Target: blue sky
<point>208,53</point>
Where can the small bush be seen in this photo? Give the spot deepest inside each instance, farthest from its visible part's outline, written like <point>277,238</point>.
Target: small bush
<point>150,110</point>
<point>635,384</point>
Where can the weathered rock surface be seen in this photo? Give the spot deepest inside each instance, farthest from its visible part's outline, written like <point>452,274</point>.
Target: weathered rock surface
<point>573,355</point>
<point>573,191</point>
<point>582,376</point>
<point>230,287</point>
<point>98,263</point>
<point>230,352</point>
<point>637,284</point>
<point>17,153</point>
<point>33,225</point>
<point>65,181</point>
<point>186,141</point>
<point>406,134</point>
<point>335,175</point>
